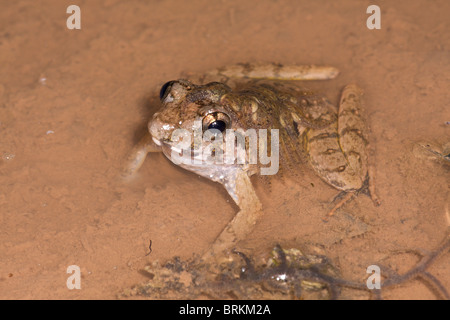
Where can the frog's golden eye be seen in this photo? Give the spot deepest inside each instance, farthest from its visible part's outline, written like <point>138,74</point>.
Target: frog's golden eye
<point>216,120</point>
<point>165,89</point>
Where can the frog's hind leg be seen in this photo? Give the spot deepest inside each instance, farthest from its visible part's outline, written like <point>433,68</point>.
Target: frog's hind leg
<point>353,143</point>
<point>352,132</point>
<point>353,139</point>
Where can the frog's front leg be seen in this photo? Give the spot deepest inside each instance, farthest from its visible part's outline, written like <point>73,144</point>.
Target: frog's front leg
<point>138,154</point>
<point>240,188</point>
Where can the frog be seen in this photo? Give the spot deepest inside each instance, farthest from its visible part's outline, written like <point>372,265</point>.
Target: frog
<point>264,97</point>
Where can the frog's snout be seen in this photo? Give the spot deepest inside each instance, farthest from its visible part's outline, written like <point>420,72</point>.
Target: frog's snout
<point>159,130</point>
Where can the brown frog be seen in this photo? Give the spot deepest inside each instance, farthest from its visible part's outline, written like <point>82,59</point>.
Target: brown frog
<point>300,126</point>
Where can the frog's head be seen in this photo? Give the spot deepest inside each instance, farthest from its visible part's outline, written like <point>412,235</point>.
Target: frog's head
<point>184,104</point>
<point>206,129</point>
<point>189,109</point>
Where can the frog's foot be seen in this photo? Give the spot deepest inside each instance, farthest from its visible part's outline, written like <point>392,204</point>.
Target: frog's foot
<point>137,156</point>
<point>241,189</point>
<point>344,198</point>
<point>347,196</point>
<point>238,228</point>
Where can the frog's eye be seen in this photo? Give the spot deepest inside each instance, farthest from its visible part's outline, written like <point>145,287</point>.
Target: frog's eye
<point>216,120</point>
<point>218,125</point>
<point>165,89</point>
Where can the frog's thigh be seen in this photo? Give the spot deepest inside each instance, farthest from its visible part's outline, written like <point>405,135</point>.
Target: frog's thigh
<point>352,131</point>
<point>328,160</point>
<point>138,154</point>
<point>241,190</point>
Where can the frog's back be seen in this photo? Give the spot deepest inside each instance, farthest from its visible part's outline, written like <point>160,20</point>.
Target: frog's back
<point>309,129</point>
<point>292,109</point>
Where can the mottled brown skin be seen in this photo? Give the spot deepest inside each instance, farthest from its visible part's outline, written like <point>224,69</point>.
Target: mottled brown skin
<point>333,142</point>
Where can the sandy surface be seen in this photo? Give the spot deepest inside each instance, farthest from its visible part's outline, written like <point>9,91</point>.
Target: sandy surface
<point>73,103</point>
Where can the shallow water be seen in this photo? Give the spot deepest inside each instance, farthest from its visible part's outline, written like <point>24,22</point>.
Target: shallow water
<point>73,103</point>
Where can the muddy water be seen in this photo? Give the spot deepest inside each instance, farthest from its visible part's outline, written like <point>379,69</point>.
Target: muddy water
<point>73,103</point>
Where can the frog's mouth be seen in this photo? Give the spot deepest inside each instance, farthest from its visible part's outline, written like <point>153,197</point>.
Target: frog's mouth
<point>157,142</point>
<point>195,162</point>
<point>185,156</point>
<point>166,147</point>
